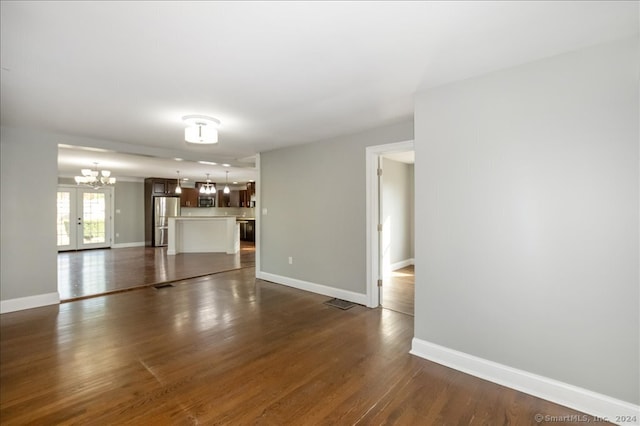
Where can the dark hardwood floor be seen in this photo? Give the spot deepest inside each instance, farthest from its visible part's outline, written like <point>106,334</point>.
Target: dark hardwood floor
<point>102,271</point>
<point>398,291</point>
<point>230,349</point>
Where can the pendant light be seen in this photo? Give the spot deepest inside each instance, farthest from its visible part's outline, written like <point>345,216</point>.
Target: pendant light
<point>226,186</point>
<point>208,188</point>
<point>178,189</point>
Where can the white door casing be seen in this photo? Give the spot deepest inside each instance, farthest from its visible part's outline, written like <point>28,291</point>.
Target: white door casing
<point>373,265</point>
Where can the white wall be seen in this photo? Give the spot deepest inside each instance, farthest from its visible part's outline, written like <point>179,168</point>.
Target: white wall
<point>397,213</point>
<point>527,194</point>
<point>28,182</point>
<point>315,198</point>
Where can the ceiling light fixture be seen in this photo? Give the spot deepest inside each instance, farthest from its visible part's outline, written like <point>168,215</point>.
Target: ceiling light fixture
<point>95,178</point>
<point>208,188</point>
<point>178,189</point>
<point>226,186</point>
<point>201,129</point>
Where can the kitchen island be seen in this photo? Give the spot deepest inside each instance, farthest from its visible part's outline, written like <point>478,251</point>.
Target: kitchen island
<point>203,234</point>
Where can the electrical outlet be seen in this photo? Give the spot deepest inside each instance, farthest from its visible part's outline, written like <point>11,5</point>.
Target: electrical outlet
<point>264,211</point>
<point>117,234</point>
<point>290,260</point>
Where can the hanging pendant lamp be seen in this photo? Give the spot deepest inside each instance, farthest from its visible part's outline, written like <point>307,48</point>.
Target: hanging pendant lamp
<point>178,188</point>
<point>226,186</point>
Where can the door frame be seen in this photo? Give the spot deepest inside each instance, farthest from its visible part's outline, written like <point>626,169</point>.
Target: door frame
<point>373,154</point>
<point>109,191</point>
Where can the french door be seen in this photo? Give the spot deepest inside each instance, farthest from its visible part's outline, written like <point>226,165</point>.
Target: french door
<point>84,218</point>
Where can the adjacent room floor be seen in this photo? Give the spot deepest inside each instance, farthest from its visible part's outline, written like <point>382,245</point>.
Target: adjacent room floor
<point>398,290</point>
<point>101,271</point>
<point>230,349</point>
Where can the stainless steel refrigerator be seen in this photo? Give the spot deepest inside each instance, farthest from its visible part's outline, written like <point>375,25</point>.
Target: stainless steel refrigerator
<point>163,208</point>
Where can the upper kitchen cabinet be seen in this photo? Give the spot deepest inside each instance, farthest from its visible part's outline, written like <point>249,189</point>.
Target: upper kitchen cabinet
<point>224,200</point>
<point>251,188</point>
<point>247,196</point>
<point>189,197</point>
<point>161,187</point>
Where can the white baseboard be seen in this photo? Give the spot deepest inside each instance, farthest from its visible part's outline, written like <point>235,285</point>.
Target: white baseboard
<point>402,264</point>
<point>125,245</point>
<point>314,288</point>
<point>580,399</point>
<point>29,302</point>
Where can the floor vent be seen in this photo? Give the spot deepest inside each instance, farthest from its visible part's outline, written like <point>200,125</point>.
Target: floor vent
<point>340,304</point>
<point>159,286</point>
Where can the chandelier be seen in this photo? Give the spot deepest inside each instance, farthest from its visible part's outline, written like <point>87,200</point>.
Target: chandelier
<point>208,188</point>
<point>95,178</point>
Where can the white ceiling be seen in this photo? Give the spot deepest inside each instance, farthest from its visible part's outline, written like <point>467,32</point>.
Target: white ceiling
<point>136,167</point>
<point>274,73</point>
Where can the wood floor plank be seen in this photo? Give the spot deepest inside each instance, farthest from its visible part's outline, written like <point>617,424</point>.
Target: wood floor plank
<point>230,349</point>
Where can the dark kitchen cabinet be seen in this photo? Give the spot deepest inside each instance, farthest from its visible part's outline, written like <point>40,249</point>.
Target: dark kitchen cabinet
<point>161,187</point>
<point>189,197</point>
<point>247,229</point>
<point>247,195</point>
<point>224,200</point>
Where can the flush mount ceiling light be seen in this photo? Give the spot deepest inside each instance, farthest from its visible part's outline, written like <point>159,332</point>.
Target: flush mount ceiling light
<point>201,129</point>
<point>95,178</point>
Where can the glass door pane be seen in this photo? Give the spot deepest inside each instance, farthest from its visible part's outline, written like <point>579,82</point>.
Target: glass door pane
<point>65,223</point>
<point>84,218</point>
<point>94,213</point>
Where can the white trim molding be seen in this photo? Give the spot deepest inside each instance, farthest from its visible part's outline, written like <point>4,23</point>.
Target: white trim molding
<point>29,302</point>
<point>402,264</point>
<point>586,401</point>
<point>372,204</point>
<point>314,288</point>
<point>126,245</point>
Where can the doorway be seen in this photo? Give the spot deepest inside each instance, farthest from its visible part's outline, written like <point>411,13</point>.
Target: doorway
<point>83,218</point>
<point>396,217</point>
<point>387,274</point>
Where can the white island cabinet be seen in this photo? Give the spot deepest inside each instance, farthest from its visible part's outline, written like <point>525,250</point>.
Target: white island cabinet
<point>204,234</point>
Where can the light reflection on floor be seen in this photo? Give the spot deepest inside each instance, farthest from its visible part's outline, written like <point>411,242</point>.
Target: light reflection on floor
<point>102,271</point>
<point>398,290</point>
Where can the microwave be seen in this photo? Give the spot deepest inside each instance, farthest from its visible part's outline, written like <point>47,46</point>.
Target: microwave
<point>206,202</point>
